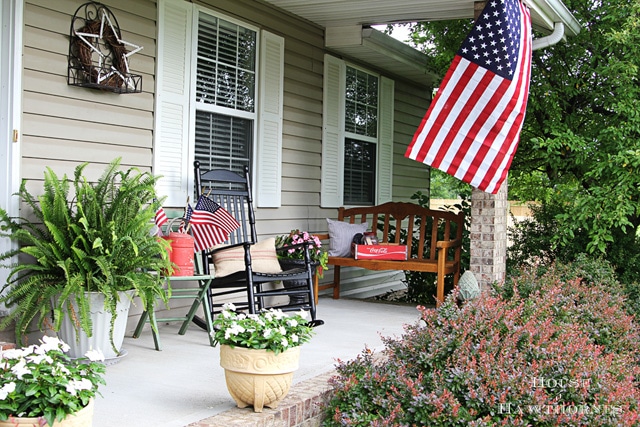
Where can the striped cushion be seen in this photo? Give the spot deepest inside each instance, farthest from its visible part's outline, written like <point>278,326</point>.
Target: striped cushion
<point>263,259</point>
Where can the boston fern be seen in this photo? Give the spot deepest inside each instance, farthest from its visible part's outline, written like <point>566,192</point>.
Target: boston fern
<point>79,237</point>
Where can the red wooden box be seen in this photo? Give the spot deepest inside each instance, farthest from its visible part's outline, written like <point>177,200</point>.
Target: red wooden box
<point>387,252</point>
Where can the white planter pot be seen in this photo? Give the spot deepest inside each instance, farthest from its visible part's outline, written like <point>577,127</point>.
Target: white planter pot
<point>101,320</point>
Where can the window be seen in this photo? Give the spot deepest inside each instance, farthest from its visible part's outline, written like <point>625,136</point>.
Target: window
<point>359,172</point>
<point>225,94</point>
<point>361,130</point>
<point>219,100</point>
<point>357,140</point>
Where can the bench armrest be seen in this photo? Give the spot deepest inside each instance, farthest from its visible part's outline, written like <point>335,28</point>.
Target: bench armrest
<point>446,244</point>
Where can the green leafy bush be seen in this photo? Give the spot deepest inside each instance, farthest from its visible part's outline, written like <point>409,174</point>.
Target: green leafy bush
<point>547,349</point>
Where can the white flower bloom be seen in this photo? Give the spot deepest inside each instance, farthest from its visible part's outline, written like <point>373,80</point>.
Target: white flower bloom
<point>51,343</point>
<point>228,306</point>
<point>74,385</point>
<point>303,314</point>
<point>39,358</point>
<point>282,330</point>
<point>294,338</point>
<point>20,369</point>
<point>267,333</point>
<point>235,329</point>
<point>14,353</point>
<point>6,389</point>
<point>284,342</point>
<point>292,322</point>
<point>95,355</point>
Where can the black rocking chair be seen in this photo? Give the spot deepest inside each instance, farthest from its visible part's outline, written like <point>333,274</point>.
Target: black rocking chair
<point>248,289</point>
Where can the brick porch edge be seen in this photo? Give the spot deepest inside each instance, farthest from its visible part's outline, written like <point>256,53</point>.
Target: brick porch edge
<point>302,407</point>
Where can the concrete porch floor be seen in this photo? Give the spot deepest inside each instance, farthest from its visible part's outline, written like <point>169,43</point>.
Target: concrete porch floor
<point>184,383</point>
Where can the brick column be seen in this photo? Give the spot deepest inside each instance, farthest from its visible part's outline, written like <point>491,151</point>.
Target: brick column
<point>489,215</point>
<point>488,226</point>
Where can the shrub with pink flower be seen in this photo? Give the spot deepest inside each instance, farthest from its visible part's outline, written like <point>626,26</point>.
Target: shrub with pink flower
<point>295,240</point>
<point>563,353</point>
<point>42,381</point>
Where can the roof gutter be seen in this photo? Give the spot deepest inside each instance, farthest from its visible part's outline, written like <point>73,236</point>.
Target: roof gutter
<point>555,37</point>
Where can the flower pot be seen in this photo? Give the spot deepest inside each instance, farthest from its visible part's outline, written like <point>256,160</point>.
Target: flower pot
<point>101,327</point>
<point>288,264</point>
<point>258,377</point>
<point>82,418</point>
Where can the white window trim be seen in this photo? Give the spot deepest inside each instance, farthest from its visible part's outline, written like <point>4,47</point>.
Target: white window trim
<point>11,25</point>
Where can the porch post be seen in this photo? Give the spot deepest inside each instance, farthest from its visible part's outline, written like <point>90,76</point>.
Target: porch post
<point>489,236</point>
<point>488,226</point>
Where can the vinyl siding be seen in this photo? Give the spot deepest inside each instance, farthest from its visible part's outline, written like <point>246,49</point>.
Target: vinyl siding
<point>64,125</point>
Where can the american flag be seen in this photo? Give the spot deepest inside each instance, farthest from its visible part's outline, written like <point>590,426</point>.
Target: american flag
<point>472,127</point>
<point>210,223</point>
<point>184,221</point>
<point>161,217</point>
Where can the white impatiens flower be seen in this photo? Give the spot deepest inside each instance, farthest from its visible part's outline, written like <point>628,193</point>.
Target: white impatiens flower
<point>235,329</point>
<point>284,342</point>
<point>76,385</point>
<point>6,389</point>
<point>39,358</point>
<point>267,333</point>
<point>51,343</point>
<point>229,306</point>
<point>303,314</point>
<point>282,330</point>
<point>292,322</point>
<point>294,338</point>
<point>14,353</point>
<point>95,355</point>
<point>20,369</point>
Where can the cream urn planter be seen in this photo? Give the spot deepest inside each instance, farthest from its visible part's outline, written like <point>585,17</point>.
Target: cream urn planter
<point>258,378</point>
<point>82,418</point>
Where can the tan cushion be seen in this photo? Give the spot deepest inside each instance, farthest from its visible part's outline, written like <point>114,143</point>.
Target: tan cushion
<point>263,259</point>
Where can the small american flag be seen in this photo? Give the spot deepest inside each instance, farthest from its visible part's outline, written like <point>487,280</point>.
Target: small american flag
<point>472,127</point>
<point>210,223</point>
<point>184,221</point>
<point>161,217</point>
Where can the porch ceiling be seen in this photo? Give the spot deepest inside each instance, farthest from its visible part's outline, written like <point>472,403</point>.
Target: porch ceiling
<point>346,27</point>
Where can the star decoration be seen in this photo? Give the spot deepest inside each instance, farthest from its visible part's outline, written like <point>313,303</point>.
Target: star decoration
<point>110,37</point>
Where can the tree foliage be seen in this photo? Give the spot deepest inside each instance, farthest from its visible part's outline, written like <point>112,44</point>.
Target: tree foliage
<point>580,144</point>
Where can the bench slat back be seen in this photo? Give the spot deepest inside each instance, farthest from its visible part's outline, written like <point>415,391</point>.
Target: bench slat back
<point>388,218</point>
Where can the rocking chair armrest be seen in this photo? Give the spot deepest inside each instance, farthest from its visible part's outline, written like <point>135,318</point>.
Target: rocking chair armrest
<point>226,248</point>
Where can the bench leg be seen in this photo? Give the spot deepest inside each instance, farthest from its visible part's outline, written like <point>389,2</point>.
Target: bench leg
<point>336,282</point>
<point>440,290</point>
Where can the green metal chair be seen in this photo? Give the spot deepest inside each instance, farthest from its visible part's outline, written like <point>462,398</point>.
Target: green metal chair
<point>198,293</point>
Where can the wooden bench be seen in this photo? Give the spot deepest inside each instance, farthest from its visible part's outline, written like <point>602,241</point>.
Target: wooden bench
<point>439,235</point>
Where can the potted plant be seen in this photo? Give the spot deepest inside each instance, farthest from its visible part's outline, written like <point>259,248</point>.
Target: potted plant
<point>81,242</point>
<point>40,384</point>
<point>259,353</point>
<point>294,257</point>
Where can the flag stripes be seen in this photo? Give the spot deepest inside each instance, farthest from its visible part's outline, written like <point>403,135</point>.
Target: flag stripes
<point>472,127</point>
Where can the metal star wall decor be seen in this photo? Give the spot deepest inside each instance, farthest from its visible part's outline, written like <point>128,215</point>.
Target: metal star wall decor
<point>98,56</point>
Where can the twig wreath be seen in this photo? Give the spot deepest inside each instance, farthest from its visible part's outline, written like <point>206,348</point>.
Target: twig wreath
<point>98,57</point>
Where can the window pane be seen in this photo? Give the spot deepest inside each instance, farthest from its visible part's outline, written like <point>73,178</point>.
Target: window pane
<point>361,103</point>
<point>223,142</point>
<point>226,65</point>
<point>359,172</point>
